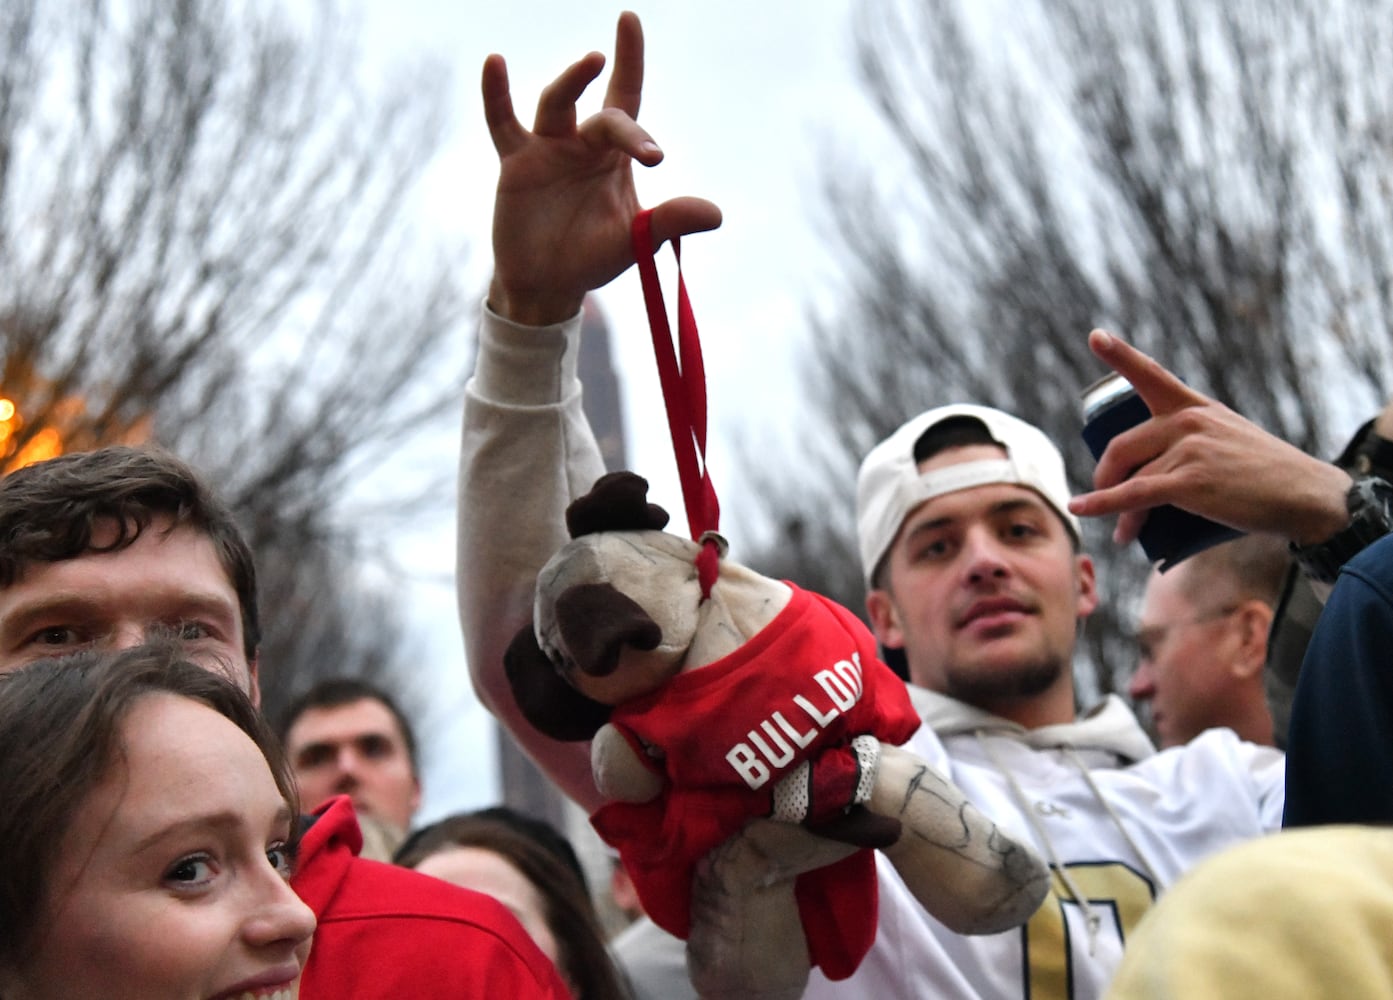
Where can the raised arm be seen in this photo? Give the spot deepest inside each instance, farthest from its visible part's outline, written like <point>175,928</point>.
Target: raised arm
<point>562,214</point>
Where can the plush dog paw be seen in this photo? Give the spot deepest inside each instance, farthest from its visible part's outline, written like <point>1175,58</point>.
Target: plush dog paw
<point>823,788</point>
<point>960,865</point>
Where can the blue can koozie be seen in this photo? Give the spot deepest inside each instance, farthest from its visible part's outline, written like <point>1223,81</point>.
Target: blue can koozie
<point>1111,406</point>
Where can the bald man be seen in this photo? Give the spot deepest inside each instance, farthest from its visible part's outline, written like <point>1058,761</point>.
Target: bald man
<point>1202,641</point>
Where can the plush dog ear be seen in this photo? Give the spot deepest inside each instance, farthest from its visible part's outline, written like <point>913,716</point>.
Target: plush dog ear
<point>550,704</point>
<point>617,502</point>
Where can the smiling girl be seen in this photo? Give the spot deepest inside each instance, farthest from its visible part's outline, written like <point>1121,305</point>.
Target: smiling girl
<point>146,838</point>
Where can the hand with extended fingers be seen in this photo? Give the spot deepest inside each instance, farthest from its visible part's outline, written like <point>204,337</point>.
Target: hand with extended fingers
<point>1199,455</point>
<point>566,196</point>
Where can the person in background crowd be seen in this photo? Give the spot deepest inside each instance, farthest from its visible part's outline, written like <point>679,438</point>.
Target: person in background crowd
<point>532,869</point>
<point>345,736</point>
<point>1202,641</point>
<point>1300,915</point>
<point>1368,453</point>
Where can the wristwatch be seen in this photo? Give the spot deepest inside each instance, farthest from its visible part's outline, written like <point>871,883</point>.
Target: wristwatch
<point>1370,505</point>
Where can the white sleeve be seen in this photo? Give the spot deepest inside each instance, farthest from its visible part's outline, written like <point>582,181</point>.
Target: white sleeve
<point>1268,767</point>
<point>1263,770</point>
<point>526,451</point>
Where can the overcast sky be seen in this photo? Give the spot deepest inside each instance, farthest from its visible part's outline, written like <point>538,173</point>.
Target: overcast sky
<point>745,99</point>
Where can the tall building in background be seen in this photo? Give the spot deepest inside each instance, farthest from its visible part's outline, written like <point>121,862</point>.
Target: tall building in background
<point>524,787</point>
<point>601,382</point>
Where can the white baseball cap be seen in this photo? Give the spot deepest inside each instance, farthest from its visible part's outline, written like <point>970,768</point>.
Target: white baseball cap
<point>890,484</point>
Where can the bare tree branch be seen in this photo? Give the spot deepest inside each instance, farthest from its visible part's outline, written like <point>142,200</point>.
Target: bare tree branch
<point>206,238</point>
<point>1211,178</point>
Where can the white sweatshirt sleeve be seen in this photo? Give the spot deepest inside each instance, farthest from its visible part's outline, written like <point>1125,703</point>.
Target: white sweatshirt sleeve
<point>526,452</point>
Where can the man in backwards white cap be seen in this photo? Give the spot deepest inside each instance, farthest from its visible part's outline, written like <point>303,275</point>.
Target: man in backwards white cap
<point>972,561</point>
<point>968,546</point>
<point>974,570</point>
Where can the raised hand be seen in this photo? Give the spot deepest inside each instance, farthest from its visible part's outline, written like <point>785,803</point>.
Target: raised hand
<point>566,196</point>
<point>1201,456</point>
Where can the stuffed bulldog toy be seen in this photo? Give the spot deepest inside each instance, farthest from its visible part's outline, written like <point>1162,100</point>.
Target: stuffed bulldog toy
<point>758,701</point>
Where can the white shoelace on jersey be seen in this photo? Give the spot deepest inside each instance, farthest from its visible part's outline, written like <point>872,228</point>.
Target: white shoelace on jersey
<point>1091,918</point>
<point>1116,819</point>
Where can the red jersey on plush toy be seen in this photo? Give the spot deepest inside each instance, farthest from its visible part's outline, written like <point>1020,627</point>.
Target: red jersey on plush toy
<point>723,735</point>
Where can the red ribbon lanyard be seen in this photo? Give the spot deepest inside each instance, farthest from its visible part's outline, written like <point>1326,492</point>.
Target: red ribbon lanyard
<point>684,395</point>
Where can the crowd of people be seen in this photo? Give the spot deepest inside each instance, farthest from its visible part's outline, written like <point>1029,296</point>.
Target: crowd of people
<point>162,840</point>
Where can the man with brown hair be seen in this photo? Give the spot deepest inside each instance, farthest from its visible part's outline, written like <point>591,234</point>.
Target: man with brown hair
<point>345,736</point>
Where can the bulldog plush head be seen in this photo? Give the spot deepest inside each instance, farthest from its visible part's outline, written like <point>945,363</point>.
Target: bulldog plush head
<point>617,611</point>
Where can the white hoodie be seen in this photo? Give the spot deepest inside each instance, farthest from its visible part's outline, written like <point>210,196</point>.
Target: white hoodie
<point>1117,821</point>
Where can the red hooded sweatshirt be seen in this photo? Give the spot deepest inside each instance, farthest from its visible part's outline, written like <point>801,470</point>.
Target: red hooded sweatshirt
<point>388,933</point>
